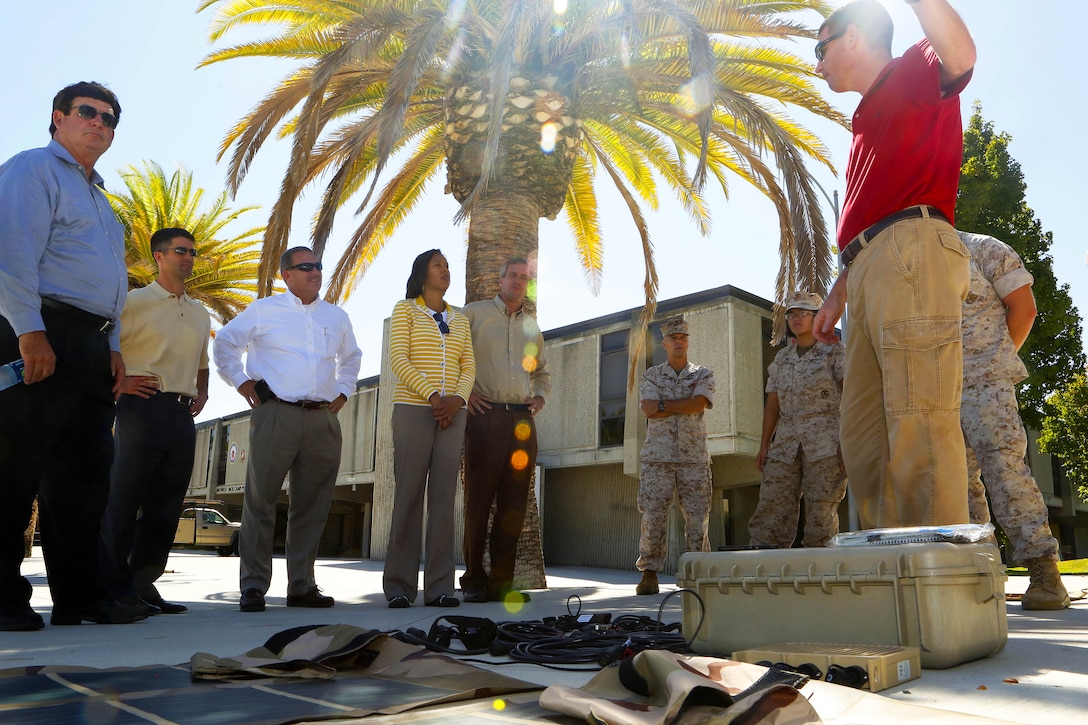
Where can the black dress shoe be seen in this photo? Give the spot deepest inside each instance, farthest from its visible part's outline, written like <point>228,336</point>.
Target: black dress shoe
<point>444,601</point>
<point>167,607</point>
<point>252,601</point>
<point>20,620</point>
<point>313,598</point>
<point>104,611</point>
<point>138,604</point>
<point>474,595</point>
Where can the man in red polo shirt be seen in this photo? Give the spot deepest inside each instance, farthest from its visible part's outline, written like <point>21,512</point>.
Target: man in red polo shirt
<point>906,273</point>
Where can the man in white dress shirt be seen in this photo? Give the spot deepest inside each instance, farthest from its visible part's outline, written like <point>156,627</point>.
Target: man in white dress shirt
<point>301,365</point>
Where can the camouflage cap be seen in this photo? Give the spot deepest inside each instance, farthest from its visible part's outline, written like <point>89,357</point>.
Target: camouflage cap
<point>804,301</point>
<point>674,326</point>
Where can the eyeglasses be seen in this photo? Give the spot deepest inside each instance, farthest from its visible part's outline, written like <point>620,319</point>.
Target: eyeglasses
<point>798,314</point>
<point>90,113</point>
<point>182,251</point>
<point>306,266</point>
<point>442,326</point>
<point>821,47</point>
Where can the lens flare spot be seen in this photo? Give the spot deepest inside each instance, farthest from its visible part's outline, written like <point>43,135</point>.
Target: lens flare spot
<point>519,460</point>
<point>549,132</point>
<point>513,604</point>
<point>559,6</point>
<point>522,431</point>
<point>528,363</point>
<point>499,704</point>
<point>696,95</point>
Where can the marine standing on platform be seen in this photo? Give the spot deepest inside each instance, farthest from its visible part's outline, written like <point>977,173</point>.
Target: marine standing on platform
<point>804,388</point>
<point>997,317</point>
<point>905,271</point>
<point>675,457</point>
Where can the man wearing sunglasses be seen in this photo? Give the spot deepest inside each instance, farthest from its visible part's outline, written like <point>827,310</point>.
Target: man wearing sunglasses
<point>63,282</point>
<point>164,340</point>
<point>905,271</point>
<point>301,366</point>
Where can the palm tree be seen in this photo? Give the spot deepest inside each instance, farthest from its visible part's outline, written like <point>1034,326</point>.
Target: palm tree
<point>528,105</point>
<point>225,274</point>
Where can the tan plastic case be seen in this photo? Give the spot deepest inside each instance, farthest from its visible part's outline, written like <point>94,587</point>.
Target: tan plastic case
<point>886,666</point>
<point>946,599</point>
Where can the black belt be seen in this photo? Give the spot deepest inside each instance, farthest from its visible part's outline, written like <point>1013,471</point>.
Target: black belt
<point>179,398</point>
<point>101,324</point>
<point>519,407</point>
<point>862,240</point>
<point>304,404</point>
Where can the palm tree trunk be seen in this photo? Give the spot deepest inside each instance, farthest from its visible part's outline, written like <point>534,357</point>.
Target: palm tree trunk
<point>28,535</point>
<point>504,224</point>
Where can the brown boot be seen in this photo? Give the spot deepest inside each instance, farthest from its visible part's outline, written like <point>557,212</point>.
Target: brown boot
<point>648,585</point>
<point>1046,590</point>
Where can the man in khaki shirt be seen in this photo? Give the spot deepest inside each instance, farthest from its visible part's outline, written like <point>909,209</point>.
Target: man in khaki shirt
<point>500,437</point>
<point>164,342</point>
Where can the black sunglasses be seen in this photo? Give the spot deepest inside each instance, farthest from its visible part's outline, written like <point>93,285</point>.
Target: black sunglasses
<point>182,251</point>
<point>821,47</point>
<point>442,326</point>
<point>89,113</point>
<point>306,266</point>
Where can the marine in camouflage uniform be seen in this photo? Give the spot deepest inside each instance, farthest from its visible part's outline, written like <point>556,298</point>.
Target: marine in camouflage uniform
<point>997,316</point>
<point>804,388</point>
<point>674,456</point>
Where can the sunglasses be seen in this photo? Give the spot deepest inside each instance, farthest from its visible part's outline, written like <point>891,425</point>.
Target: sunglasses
<point>90,113</point>
<point>182,251</point>
<point>442,326</point>
<point>821,47</point>
<point>306,266</point>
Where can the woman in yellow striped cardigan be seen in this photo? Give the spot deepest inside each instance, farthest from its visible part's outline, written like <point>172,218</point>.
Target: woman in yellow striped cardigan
<point>430,352</point>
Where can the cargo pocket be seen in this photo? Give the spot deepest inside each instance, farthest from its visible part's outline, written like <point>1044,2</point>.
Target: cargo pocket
<point>952,242</point>
<point>922,364</point>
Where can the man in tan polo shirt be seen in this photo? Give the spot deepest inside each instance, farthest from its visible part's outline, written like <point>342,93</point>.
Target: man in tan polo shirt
<point>164,342</point>
<point>500,437</point>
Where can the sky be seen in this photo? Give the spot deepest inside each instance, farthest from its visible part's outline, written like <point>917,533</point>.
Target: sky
<point>176,115</point>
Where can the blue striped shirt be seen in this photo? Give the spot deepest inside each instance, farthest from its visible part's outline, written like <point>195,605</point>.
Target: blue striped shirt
<point>59,238</point>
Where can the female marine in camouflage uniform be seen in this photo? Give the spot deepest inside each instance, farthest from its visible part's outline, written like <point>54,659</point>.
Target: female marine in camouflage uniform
<point>804,387</point>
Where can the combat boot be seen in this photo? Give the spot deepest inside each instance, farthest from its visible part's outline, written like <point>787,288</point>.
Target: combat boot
<point>648,585</point>
<point>1046,590</point>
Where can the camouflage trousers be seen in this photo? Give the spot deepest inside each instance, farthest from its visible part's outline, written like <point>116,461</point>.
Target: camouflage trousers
<point>657,481</point>
<point>996,448</point>
<point>823,484</point>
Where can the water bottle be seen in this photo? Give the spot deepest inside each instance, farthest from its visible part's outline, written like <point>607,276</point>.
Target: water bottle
<point>11,374</point>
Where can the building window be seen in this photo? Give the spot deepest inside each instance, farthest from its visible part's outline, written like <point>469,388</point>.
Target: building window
<point>613,387</point>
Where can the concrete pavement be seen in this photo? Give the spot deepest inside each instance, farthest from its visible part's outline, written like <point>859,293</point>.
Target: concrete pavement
<point>1040,677</point>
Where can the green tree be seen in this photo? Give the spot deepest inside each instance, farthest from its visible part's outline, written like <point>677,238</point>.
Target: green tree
<point>1065,431</point>
<point>991,201</point>
<point>225,274</point>
<point>528,106</point>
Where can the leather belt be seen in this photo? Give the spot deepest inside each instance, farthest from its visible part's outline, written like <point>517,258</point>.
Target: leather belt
<point>179,398</point>
<point>519,407</point>
<point>304,404</point>
<point>862,240</point>
<point>101,324</point>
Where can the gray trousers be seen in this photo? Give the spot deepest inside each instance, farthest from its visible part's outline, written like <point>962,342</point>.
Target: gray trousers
<point>426,462</point>
<point>305,443</point>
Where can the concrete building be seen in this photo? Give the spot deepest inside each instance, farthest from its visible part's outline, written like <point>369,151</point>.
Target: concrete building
<point>590,435</point>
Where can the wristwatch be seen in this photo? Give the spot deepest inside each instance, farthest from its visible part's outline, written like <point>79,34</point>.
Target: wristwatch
<point>661,405</point>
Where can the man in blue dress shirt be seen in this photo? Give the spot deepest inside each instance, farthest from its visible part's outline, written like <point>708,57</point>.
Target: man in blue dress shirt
<point>63,282</point>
